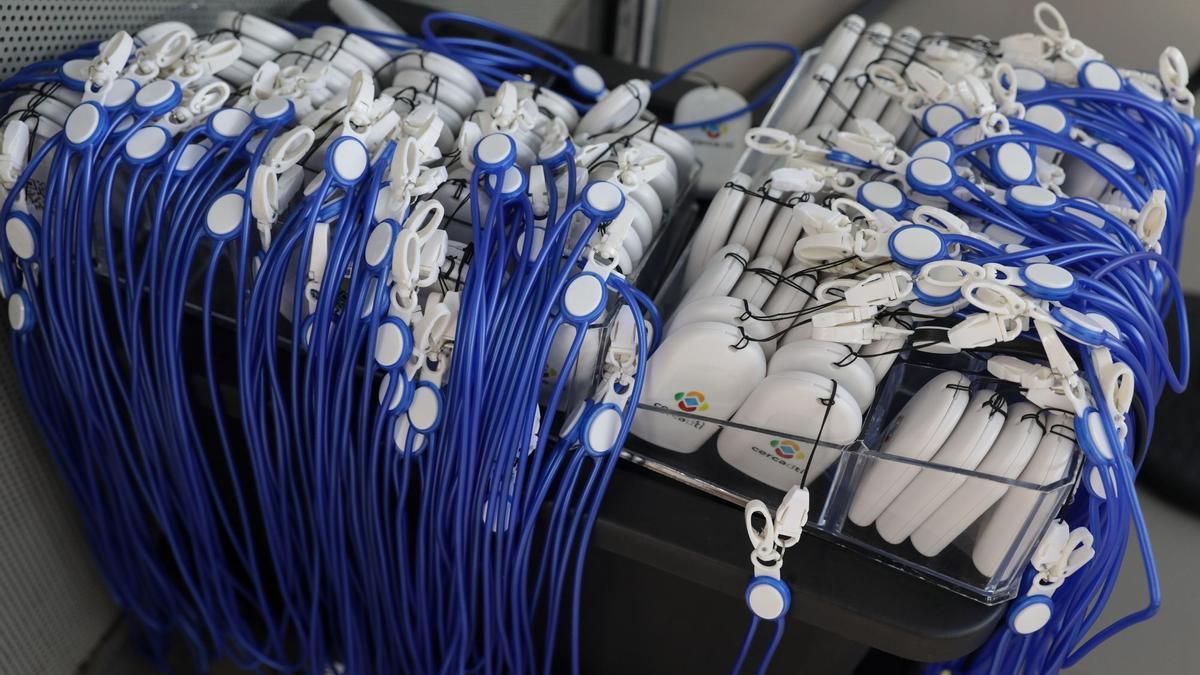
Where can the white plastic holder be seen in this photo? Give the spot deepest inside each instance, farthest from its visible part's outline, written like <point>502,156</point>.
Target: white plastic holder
<point>1152,219</point>
<point>863,333</point>
<point>14,148</point>
<point>1061,552</point>
<point>767,596</point>
<point>843,315</point>
<point>204,59</point>
<point>884,288</point>
<point>160,55</point>
<point>108,64</point>
<point>983,330</point>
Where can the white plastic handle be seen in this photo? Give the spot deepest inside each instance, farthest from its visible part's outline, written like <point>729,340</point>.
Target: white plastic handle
<point>288,149</point>
<point>1051,22</point>
<point>770,141</point>
<point>425,219</point>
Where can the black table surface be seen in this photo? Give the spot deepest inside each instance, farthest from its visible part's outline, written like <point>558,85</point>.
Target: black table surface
<point>677,529</point>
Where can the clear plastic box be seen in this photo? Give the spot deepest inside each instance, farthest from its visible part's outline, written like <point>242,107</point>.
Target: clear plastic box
<point>977,562</point>
<point>985,555</point>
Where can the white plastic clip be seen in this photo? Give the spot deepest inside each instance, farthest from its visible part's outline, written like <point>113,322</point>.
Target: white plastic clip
<point>107,66</point>
<point>843,315</point>
<point>885,288</point>
<point>777,533</point>
<point>160,55</point>
<point>204,59</point>
<point>857,333</point>
<point>14,148</point>
<point>1061,552</point>
<point>983,330</point>
<point>1152,219</point>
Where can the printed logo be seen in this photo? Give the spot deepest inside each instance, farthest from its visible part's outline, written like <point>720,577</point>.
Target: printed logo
<point>690,401</point>
<point>714,130</point>
<point>786,448</point>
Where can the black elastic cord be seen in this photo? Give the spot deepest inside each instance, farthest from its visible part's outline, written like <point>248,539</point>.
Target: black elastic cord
<point>828,403</point>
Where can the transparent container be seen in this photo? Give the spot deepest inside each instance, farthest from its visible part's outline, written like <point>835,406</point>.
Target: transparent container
<point>979,554</point>
<point>975,541</point>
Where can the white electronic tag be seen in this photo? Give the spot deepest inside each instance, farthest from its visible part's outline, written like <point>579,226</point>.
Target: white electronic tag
<point>719,145</point>
<point>920,429</point>
<point>1019,438</point>
<point>798,404</point>
<point>964,449</point>
<point>698,369</point>
<point>1021,507</point>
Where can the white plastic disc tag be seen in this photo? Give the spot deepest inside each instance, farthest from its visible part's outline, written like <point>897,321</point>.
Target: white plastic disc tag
<point>224,217</point>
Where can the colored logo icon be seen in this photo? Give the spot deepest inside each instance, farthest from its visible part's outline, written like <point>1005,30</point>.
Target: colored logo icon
<point>691,401</point>
<point>786,448</point>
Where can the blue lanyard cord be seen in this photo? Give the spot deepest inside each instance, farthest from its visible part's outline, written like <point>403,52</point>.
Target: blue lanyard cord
<point>762,99</point>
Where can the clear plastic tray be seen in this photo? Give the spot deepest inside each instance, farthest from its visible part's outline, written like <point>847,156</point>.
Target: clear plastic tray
<point>986,568</point>
<point>954,566</point>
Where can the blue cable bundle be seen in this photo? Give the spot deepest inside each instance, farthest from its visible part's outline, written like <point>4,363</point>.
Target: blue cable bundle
<point>306,430</point>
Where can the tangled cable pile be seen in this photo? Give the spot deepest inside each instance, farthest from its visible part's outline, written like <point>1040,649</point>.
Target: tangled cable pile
<point>306,428</point>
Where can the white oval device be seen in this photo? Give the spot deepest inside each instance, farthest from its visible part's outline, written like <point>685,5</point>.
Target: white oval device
<point>752,224</point>
<point>698,369</point>
<point>1008,456</point>
<point>1022,510</point>
<point>964,449</point>
<point>730,310</point>
<point>790,296</point>
<point>920,429</point>
<point>830,360</point>
<point>792,403</point>
<point>714,229</point>
<point>782,235</point>
<point>720,274</point>
<point>757,280</point>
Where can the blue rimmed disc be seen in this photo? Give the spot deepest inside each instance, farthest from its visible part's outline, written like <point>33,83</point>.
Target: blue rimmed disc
<point>74,73</point>
<point>916,245</point>
<point>21,231</point>
<point>121,92</point>
<point>935,148</point>
<point>583,298</point>
<point>20,312</point>
<point>227,124</point>
<point>274,109</point>
<point>425,410</point>
<point>1030,199</point>
<point>930,176</point>
<point>347,160</point>
<point>147,145</point>
<point>1079,326</point>
<point>936,300</point>
<point>1091,438</point>
<point>1013,164</point>
<point>769,598</point>
<point>495,152</point>
<point>1048,281</point>
<point>85,125</point>
<point>1100,75</point>
<point>940,118</point>
<point>1030,614</point>
<point>158,97</point>
<point>393,343</point>
<point>514,182</point>
<point>602,199</point>
<point>876,194</point>
<point>601,429</point>
<point>1049,117</point>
